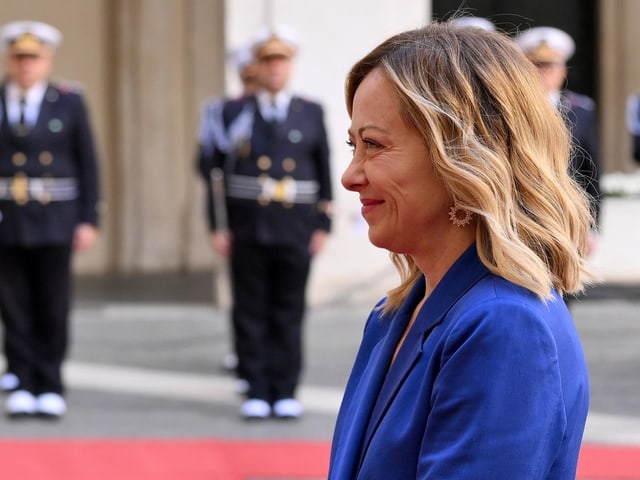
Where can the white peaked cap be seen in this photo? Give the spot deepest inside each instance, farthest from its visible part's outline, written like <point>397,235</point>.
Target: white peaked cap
<point>277,40</point>
<point>477,22</point>
<point>45,33</point>
<point>550,37</point>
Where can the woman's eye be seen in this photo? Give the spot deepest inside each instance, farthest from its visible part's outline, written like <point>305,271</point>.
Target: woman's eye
<point>351,145</point>
<point>370,143</point>
<point>367,144</point>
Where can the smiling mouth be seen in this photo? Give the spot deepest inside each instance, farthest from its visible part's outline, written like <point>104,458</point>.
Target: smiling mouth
<point>369,205</point>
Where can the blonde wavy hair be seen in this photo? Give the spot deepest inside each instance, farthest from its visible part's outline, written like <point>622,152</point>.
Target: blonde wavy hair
<point>500,146</point>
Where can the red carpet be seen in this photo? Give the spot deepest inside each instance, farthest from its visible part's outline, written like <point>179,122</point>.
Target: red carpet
<point>161,460</point>
<point>223,460</point>
<point>603,462</point>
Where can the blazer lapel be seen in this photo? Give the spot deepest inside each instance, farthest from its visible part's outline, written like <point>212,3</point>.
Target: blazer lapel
<point>362,396</point>
<point>464,273</point>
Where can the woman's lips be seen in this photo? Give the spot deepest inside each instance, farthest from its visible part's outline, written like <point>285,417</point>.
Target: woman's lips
<point>368,205</point>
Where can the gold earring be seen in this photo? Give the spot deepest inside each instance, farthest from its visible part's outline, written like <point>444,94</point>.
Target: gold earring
<point>455,219</point>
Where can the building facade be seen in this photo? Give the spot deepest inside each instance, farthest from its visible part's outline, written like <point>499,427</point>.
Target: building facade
<point>147,66</point>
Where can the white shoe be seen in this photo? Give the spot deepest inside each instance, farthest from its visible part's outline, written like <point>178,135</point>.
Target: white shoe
<point>51,405</point>
<point>288,408</point>
<point>9,382</point>
<point>254,408</point>
<point>20,404</point>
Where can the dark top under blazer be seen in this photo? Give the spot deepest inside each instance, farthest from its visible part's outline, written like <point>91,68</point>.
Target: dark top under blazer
<point>301,137</point>
<point>490,383</point>
<point>63,132</point>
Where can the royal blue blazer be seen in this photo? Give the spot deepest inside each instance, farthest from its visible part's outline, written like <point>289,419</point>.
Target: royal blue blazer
<point>490,383</point>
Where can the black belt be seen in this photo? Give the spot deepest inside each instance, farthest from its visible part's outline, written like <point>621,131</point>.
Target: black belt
<point>22,189</point>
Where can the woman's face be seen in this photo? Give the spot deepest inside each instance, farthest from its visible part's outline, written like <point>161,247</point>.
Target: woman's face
<point>404,201</point>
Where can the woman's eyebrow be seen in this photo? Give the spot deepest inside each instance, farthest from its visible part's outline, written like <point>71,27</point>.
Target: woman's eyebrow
<point>367,127</point>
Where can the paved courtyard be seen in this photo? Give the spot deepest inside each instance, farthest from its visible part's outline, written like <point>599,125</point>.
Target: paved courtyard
<point>147,351</point>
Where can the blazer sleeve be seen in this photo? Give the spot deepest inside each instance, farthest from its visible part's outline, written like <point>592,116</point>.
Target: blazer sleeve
<point>497,405</point>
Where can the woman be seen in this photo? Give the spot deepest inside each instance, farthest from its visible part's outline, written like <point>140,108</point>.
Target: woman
<point>472,367</point>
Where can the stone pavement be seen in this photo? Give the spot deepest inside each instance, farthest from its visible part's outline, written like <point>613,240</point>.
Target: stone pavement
<point>141,369</point>
<point>146,352</point>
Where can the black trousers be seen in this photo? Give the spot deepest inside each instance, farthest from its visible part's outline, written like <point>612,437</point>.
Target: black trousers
<point>269,288</point>
<point>35,295</point>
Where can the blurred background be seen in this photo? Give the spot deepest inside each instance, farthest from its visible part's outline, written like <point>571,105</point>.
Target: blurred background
<point>147,66</point>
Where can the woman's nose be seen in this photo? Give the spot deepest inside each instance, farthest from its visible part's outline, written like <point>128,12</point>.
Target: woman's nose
<point>353,176</point>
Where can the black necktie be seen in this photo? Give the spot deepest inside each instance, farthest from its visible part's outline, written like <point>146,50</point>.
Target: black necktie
<point>22,128</point>
<point>23,107</point>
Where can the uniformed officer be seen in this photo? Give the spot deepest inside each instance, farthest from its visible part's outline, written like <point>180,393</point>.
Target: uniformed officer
<point>48,200</point>
<point>550,48</point>
<point>277,194</point>
<point>212,134</point>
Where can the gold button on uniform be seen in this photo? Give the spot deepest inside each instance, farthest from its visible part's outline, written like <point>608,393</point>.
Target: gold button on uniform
<point>289,164</point>
<point>264,162</point>
<point>19,159</point>
<point>45,158</point>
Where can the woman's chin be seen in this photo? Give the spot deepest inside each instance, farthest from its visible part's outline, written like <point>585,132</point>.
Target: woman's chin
<point>379,242</point>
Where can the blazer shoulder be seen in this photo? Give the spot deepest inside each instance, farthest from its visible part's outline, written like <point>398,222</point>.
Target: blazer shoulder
<point>494,289</point>
<point>497,305</point>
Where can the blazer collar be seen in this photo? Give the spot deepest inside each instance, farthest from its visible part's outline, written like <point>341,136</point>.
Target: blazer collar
<point>463,274</point>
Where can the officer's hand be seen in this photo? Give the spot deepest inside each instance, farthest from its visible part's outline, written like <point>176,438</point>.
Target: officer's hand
<point>318,241</point>
<point>84,236</point>
<point>221,243</point>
